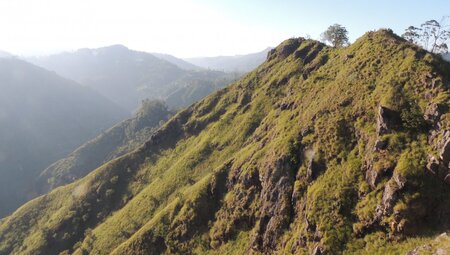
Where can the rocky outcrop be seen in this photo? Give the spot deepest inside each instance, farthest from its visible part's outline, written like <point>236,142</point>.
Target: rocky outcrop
<point>276,208</point>
<point>440,167</point>
<point>313,170</point>
<point>432,113</point>
<point>389,198</point>
<point>387,120</point>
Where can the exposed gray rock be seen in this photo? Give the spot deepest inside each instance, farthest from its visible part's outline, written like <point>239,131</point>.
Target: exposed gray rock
<point>373,176</point>
<point>389,199</point>
<point>440,167</point>
<point>432,113</point>
<point>387,120</point>
<point>276,209</point>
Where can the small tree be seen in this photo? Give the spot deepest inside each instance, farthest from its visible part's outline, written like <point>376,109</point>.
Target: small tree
<point>412,34</point>
<point>432,35</point>
<point>435,36</point>
<point>337,35</point>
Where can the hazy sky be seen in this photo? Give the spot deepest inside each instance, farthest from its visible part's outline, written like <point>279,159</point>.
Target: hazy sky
<point>187,28</point>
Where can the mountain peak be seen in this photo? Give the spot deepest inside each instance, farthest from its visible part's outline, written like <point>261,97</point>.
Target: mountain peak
<point>319,150</point>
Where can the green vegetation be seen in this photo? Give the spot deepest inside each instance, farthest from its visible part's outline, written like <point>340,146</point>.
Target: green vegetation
<point>117,141</point>
<point>337,35</point>
<point>276,163</point>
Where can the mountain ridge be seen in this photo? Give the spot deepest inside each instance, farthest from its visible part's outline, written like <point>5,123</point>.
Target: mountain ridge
<point>127,76</point>
<point>318,151</point>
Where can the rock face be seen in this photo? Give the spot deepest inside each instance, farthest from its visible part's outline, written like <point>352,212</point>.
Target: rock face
<point>276,210</point>
<point>440,167</point>
<point>432,113</point>
<point>387,120</point>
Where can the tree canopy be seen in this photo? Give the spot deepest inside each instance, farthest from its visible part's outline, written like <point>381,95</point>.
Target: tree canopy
<point>337,35</point>
<point>431,35</point>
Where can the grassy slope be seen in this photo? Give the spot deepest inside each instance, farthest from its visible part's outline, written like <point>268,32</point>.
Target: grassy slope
<point>228,174</point>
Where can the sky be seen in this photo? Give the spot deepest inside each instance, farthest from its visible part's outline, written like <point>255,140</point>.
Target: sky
<point>192,28</point>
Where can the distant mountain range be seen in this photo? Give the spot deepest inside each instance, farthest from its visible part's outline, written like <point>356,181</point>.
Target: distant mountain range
<point>127,77</point>
<point>238,63</point>
<point>176,61</point>
<point>42,118</point>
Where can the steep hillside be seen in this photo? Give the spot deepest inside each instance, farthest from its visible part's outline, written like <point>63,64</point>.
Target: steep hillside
<point>125,76</point>
<point>42,118</point>
<point>112,143</point>
<point>318,151</point>
<point>237,64</point>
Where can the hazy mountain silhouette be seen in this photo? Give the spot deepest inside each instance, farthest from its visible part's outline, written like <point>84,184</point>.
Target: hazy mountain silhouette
<point>42,118</point>
<point>177,61</point>
<point>238,63</point>
<point>125,76</point>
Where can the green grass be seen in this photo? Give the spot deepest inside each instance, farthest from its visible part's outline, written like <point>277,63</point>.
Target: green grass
<point>200,185</point>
